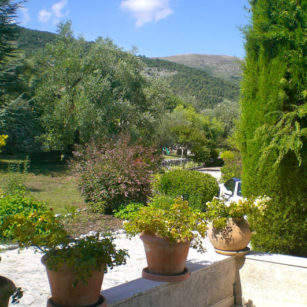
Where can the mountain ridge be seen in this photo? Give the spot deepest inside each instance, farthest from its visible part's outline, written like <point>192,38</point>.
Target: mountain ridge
<point>221,66</point>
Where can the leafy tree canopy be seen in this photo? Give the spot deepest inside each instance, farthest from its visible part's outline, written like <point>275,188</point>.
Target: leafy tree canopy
<point>89,91</point>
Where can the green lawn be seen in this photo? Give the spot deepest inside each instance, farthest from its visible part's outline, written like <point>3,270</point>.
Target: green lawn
<point>54,184</point>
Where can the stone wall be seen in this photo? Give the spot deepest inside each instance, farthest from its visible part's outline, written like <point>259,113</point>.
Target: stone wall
<point>257,279</point>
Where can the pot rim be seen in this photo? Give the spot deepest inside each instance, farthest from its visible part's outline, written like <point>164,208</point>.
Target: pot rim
<point>145,236</point>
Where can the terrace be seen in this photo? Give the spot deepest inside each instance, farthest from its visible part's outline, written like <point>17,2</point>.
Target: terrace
<point>257,279</point>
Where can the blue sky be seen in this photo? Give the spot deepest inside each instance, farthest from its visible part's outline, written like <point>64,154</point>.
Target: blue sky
<point>155,27</point>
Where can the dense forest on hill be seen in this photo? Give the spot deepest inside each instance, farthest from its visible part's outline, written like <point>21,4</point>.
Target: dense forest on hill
<point>31,40</point>
<point>195,83</point>
<point>192,84</point>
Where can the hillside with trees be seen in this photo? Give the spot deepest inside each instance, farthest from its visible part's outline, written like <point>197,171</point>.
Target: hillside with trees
<point>32,40</point>
<point>195,85</point>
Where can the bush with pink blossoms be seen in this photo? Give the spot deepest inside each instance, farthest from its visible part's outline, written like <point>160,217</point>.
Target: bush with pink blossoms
<point>116,173</point>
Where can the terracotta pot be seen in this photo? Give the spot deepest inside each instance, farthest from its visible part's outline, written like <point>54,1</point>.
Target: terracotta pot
<point>234,237</point>
<point>7,288</point>
<point>64,293</point>
<point>165,257</point>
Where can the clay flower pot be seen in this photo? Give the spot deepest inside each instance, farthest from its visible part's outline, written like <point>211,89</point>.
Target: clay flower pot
<point>231,239</point>
<point>7,288</point>
<point>65,294</point>
<point>166,260</point>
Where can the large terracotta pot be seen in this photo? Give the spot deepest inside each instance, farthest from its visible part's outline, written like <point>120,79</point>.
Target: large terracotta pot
<point>65,294</point>
<point>235,236</point>
<point>7,288</point>
<point>165,257</point>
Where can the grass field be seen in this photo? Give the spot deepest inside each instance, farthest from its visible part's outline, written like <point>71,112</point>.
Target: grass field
<point>52,183</point>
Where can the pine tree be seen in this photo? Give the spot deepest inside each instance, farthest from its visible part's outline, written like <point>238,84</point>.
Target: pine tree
<point>273,122</point>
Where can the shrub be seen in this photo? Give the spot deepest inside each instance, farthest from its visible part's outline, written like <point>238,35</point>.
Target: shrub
<point>116,173</point>
<point>20,205</point>
<point>195,187</point>
<point>127,211</point>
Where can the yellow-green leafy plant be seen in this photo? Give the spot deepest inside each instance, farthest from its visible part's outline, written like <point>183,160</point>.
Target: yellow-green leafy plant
<point>218,211</point>
<point>33,224</point>
<point>169,218</point>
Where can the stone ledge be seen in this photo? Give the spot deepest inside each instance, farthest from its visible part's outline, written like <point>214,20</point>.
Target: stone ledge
<point>209,285</point>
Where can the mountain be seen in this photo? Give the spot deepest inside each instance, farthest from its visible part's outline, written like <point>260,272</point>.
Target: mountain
<point>193,84</point>
<point>220,66</point>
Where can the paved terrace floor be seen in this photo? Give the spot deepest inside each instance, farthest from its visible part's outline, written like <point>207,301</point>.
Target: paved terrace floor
<point>24,268</point>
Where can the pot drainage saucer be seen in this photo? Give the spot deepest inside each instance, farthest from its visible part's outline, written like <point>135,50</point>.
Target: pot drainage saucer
<point>166,278</point>
<point>102,302</point>
<point>241,252</point>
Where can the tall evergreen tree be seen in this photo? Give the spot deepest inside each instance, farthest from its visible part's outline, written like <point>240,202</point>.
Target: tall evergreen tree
<point>273,122</point>
<point>8,28</point>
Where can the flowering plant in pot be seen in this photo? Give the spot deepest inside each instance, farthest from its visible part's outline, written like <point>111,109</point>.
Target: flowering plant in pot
<point>167,227</point>
<point>75,266</point>
<point>229,231</point>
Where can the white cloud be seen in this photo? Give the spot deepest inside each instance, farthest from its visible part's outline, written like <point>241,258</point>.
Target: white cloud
<point>44,15</point>
<point>145,11</point>
<point>55,14</point>
<point>25,16</point>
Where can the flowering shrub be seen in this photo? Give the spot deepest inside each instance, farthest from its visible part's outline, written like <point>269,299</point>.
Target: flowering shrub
<point>218,211</point>
<point>116,173</point>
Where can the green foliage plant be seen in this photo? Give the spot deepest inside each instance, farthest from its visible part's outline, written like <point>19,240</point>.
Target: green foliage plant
<point>127,211</point>
<point>218,211</point>
<point>31,223</point>
<point>169,218</point>
<point>195,187</point>
<point>273,122</point>
<point>116,173</point>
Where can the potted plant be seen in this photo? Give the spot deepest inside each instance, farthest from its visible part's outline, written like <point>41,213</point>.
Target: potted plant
<point>167,226</point>
<point>229,231</point>
<point>7,290</point>
<point>75,266</point>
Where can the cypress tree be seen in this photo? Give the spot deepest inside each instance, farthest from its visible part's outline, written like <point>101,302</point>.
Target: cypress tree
<point>273,122</point>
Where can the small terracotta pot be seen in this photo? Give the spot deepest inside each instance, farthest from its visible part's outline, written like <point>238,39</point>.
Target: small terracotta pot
<point>7,288</point>
<point>235,236</point>
<point>165,257</point>
<point>64,293</point>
